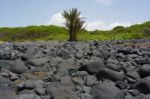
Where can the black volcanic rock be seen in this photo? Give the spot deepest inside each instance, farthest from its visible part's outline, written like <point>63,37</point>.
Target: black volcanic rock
<point>75,70</point>
<point>144,70</point>
<point>92,66</point>
<point>38,61</point>
<point>16,66</point>
<point>143,85</point>
<point>105,73</point>
<point>106,90</point>
<point>61,92</point>
<point>7,89</point>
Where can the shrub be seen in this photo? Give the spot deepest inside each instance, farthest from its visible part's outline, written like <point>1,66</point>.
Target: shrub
<point>147,31</point>
<point>119,29</point>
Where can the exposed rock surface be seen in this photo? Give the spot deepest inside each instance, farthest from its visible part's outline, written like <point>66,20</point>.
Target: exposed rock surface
<point>75,70</point>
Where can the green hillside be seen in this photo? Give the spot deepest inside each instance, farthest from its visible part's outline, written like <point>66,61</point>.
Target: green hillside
<point>30,33</point>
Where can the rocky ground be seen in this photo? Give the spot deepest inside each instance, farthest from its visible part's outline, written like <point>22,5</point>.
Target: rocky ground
<point>75,70</point>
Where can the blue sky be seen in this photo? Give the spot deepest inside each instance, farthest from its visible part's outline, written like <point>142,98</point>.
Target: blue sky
<point>99,14</point>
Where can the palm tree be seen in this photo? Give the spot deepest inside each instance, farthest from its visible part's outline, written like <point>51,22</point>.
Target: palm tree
<point>74,22</point>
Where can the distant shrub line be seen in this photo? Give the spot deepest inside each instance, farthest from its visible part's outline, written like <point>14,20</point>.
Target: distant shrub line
<point>138,31</point>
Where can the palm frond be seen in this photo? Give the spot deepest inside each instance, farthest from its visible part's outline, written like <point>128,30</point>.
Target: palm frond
<point>74,23</point>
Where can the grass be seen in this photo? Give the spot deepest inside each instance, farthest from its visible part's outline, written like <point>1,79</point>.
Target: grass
<point>46,33</point>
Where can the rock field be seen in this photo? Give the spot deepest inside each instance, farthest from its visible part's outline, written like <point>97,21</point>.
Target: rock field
<point>75,70</point>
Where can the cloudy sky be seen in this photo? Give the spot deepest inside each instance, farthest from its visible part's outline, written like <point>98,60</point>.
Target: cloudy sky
<point>99,14</point>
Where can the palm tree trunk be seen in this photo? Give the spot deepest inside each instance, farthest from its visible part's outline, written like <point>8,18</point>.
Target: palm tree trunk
<point>70,35</point>
<point>74,36</point>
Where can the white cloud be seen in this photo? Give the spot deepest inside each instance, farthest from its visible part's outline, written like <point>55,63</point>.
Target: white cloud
<point>100,25</point>
<point>104,2</point>
<point>58,20</point>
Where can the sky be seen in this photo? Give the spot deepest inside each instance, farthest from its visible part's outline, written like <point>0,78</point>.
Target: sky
<point>99,14</point>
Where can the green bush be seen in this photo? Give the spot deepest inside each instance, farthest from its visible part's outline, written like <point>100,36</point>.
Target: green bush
<point>119,29</point>
<point>147,31</point>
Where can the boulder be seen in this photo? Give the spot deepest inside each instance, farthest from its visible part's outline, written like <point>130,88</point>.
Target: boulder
<point>7,89</point>
<point>86,96</point>
<point>105,73</point>
<point>133,74</point>
<point>29,85</point>
<point>124,51</point>
<point>78,81</point>
<point>92,66</point>
<point>61,92</point>
<point>66,81</point>
<point>106,91</point>
<point>38,61</point>
<point>142,96</point>
<point>29,96</point>
<point>91,80</point>
<point>142,60</point>
<point>143,85</point>
<point>67,64</point>
<point>144,70</point>
<point>113,66</point>
<point>16,66</point>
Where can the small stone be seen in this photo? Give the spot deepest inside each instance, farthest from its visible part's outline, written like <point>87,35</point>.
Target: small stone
<point>78,81</point>
<point>91,80</point>
<point>29,85</point>
<point>40,91</point>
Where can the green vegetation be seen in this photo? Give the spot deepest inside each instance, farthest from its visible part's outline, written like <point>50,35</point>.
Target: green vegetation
<point>32,33</point>
<point>74,23</point>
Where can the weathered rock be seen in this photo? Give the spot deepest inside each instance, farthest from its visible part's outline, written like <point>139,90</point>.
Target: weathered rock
<point>92,66</point>
<point>143,60</point>
<point>29,85</point>
<point>40,91</point>
<point>143,85</point>
<point>66,81</point>
<point>106,91</point>
<point>16,66</point>
<point>125,51</point>
<point>82,74</point>
<point>144,70</point>
<point>142,96</point>
<point>62,72</point>
<point>75,70</point>
<point>38,61</point>
<point>29,96</point>
<point>61,92</point>
<point>39,83</point>
<point>121,84</point>
<point>133,74</point>
<point>7,94</point>
<point>86,96</point>
<point>19,67</point>
<point>129,97</point>
<point>6,64</point>
<point>105,73</point>
<point>91,80</point>
<point>78,81</point>
<point>113,66</point>
<point>7,89</point>
<point>86,89</point>
<point>64,54</point>
<point>67,64</point>
<point>26,91</point>
<point>47,97</point>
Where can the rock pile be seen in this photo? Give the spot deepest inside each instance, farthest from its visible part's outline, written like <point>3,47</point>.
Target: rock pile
<point>74,70</point>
